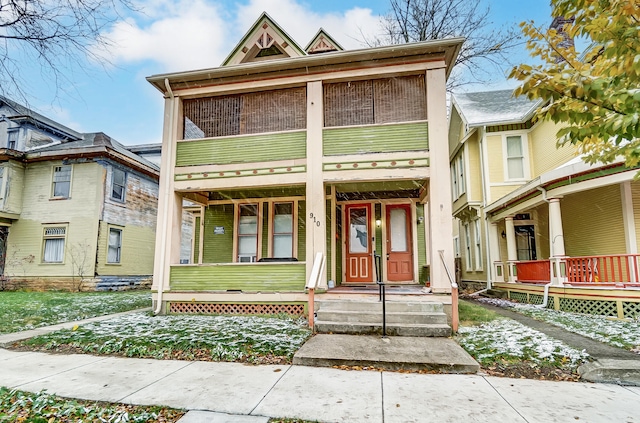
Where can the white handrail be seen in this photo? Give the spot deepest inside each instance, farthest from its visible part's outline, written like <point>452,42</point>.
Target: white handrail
<point>316,271</point>
<point>446,268</point>
<point>454,295</point>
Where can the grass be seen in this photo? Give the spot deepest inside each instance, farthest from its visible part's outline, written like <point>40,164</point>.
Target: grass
<point>252,339</point>
<point>41,407</point>
<point>28,310</point>
<point>500,343</point>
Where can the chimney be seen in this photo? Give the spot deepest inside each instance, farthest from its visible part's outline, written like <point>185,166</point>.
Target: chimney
<point>102,139</point>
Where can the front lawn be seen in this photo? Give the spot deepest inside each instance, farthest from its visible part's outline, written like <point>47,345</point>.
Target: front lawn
<point>28,310</point>
<point>252,339</point>
<point>505,347</point>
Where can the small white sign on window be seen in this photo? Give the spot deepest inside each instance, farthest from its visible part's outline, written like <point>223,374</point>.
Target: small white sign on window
<point>218,230</point>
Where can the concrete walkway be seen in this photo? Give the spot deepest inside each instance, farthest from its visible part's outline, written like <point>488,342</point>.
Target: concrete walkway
<point>253,393</point>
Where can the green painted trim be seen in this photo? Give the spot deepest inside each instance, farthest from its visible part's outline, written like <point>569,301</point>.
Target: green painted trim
<point>287,145</point>
<point>239,173</point>
<point>254,277</point>
<point>387,164</point>
<point>412,136</point>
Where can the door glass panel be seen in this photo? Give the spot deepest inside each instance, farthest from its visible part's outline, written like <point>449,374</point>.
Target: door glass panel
<point>398,227</point>
<point>358,231</point>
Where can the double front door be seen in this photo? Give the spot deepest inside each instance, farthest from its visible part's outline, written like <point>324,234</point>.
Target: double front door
<point>360,243</point>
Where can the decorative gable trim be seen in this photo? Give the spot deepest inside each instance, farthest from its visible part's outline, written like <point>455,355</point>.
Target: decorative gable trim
<point>322,42</point>
<point>265,40</point>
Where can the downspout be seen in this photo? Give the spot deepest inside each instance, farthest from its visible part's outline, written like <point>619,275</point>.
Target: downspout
<point>165,217</point>
<point>545,299</point>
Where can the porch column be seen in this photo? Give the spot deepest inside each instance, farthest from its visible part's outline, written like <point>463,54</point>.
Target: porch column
<point>169,220</point>
<point>512,249</point>
<point>556,247</point>
<point>440,213</point>
<point>316,214</point>
<point>497,269</point>
<point>629,228</point>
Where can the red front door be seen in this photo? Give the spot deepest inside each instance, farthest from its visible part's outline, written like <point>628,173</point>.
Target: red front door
<point>359,266</point>
<point>399,243</point>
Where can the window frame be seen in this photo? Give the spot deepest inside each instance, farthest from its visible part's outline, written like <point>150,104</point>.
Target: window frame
<point>467,239</point>
<point>524,145</point>
<point>294,227</point>
<point>10,133</point>
<point>45,238</point>
<point>53,182</point>
<point>478,244</point>
<point>3,170</point>
<point>237,235</point>
<point>113,184</point>
<point>119,229</point>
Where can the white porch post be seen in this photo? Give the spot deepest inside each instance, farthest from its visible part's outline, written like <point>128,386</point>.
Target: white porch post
<point>512,249</point>
<point>556,239</point>
<point>494,254</point>
<point>316,214</point>
<point>440,213</point>
<point>168,229</point>
<point>629,227</point>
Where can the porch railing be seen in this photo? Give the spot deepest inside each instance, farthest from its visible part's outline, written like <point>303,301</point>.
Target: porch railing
<point>621,269</point>
<point>609,269</point>
<point>534,271</point>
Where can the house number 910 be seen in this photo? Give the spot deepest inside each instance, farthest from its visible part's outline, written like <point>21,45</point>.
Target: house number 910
<point>316,221</point>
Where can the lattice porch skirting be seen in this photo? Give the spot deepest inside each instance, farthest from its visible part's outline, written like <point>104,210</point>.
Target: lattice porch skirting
<point>620,308</point>
<point>235,308</point>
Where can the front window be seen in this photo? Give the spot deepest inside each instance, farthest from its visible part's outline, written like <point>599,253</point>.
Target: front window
<point>54,239</point>
<point>115,245</point>
<point>457,177</point>
<point>118,184</point>
<point>1,182</point>
<point>467,240</point>
<point>247,233</point>
<point>61,181</point>
<point>283,230</point>
<point>515,157</point>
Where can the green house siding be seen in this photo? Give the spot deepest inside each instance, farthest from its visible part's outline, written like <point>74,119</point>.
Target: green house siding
<point>254,277</point>
<point>422,245</point>
<point>196,241</point>
<point>376,139</point>
<point>218,248</point>
<point>242,149</point>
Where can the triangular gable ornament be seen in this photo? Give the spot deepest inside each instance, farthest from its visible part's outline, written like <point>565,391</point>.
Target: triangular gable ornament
<point>322,42</point>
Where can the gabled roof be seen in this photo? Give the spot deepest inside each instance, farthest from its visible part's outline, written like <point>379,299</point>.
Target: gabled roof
<point>42,122</point>
<point>265,37</point>
<point>493,107</point>
<point>322,42</point>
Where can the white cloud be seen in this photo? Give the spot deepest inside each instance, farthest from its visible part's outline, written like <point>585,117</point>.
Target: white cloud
<point>182,35</point>
<point>193,34</point>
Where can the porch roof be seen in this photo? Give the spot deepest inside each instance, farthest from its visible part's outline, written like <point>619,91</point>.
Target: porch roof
<point>564,179</point>
<point>317,63</point>
<point>494,107</point>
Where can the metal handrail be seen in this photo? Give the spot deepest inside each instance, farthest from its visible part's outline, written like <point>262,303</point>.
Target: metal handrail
<point>382,292</point>
<point>454,294</point>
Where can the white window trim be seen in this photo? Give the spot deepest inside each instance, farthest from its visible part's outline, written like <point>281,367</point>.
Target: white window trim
<point>3,177</point>
<point>10,132</point>
<point>271,224</point>
<point>468,250</point>
<point>478,244</point>
<point>45,237</point>
<point>456,246</point>
<point>524,138</point>
<point>124,188</point>
<point>121,230</point>
<point>458,175</point>
<point>53,173</point>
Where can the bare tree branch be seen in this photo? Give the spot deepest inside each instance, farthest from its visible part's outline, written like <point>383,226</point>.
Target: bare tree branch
<point>421,20</point>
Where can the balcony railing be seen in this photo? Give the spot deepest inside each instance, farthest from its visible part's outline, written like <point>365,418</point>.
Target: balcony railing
<point>534,271</point>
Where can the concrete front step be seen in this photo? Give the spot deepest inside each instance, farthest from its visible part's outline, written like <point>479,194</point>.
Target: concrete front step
<point>376,317</point>
<point>376,306</point>
<point>393,329</point>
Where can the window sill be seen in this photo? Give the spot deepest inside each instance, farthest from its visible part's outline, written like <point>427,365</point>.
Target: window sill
<point>59,198</point>
<point>113,264</point>
<point>49,263</point>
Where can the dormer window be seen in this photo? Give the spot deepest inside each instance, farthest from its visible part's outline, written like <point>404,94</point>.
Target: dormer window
<point>12,139</point>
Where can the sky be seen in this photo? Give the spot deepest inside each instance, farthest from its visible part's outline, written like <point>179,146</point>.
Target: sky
<point>166,36</point>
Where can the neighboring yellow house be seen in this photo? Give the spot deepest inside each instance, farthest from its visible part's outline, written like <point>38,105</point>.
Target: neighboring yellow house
<point>77,211</point>
<point>529,213</point>
<point>300,156</point>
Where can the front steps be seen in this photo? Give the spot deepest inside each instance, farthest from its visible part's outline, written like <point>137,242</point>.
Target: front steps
<point>404,318</point>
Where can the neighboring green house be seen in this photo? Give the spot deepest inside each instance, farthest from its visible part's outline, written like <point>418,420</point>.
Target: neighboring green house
<point>529,213</point>
<point>300,156</point>
<point>77,211</point>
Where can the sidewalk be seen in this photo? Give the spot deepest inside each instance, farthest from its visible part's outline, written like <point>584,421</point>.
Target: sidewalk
<point>322,394</point>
